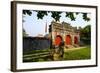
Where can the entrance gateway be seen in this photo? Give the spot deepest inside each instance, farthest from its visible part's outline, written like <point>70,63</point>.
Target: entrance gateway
<point>64,32</point>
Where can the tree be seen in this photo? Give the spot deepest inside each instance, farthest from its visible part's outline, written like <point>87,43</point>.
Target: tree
<point>57,14</point>
<point>24,33</point>
<point>85,34</point>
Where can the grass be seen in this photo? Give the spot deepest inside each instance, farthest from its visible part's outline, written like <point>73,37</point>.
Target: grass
<point>80,54</point>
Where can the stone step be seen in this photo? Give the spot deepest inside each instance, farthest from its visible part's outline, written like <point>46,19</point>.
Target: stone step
<point>69,46</point>
<point>76,45</point>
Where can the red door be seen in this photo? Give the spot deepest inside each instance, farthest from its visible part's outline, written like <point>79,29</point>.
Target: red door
<point>58,40</point>
<point>75,40</point>
<point>68,40</point>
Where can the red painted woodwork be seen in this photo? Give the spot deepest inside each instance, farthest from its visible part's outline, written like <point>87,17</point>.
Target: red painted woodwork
<point>58,40</point>
<point>75,40</point>
<point>68,40</point>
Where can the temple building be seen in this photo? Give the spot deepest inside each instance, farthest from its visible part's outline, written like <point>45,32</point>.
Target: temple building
<point>66,33</point>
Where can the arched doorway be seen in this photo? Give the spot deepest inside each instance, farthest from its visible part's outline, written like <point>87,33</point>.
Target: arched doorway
<point>75,40</point>
<point>68,40</point>
<point>58,40</point>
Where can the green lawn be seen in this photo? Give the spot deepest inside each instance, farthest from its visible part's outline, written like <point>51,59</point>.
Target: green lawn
<point>80,54</point>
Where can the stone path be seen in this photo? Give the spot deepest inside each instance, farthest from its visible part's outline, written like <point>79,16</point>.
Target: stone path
<point>71,49</point>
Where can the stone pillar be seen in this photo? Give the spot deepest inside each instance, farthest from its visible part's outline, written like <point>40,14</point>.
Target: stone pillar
<point>72,39</point>
<point>78,35</point>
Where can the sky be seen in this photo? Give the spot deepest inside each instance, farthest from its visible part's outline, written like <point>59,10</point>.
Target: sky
<point>34,26</point>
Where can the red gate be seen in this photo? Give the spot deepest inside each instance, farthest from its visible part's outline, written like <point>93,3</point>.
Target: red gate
<point>75,40</point>
<point>58,40</point>
<point>68,40</point>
